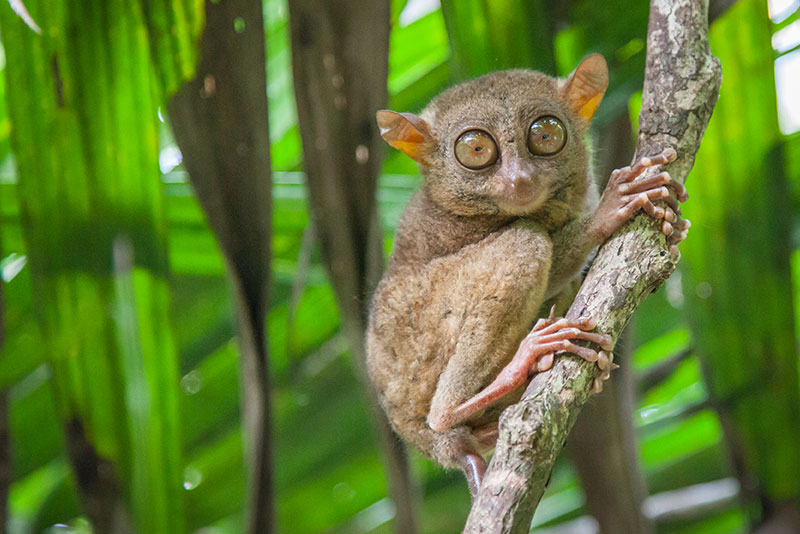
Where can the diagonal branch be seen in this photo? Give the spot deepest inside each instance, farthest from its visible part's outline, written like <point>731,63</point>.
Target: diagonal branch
<point>680,89</point>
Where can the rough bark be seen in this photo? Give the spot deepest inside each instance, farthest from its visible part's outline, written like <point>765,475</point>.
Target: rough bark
<point>220,123</point>
<point>615,488</point>
<point>681,87</point>
<point>340,67</point>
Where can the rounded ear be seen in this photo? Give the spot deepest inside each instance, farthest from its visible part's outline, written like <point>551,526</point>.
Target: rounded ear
<point>586,86</point>
<point>406,132</point>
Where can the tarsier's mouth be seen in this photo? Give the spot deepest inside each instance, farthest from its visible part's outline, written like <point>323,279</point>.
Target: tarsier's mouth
<point>520,204</point>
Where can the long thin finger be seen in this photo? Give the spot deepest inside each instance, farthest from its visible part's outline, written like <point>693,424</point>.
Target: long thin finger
<point>590,355</point>
<point>584,323</point>
<point>652,210</point>
<point>680,190</point>
<point>673,204</point>
<point>662,178</point>
<point>574,333</point>
<point>682,224</point>
<point>623,175</point>
<point>667,156</point>
<point>638,202</point>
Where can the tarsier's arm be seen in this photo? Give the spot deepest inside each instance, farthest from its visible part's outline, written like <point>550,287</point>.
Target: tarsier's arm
<point>624,196</point>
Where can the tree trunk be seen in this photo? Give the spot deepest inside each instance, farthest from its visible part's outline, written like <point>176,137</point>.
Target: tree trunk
<point>681,86</point>
<point>615,488</point>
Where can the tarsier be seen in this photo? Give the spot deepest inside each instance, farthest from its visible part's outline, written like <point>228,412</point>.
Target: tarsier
<point>502,225</point>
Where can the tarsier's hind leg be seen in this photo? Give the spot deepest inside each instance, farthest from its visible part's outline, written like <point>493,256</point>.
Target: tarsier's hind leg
<point>535,353</point>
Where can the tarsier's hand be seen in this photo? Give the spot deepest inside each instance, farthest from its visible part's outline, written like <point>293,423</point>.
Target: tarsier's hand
<point>624,196</point>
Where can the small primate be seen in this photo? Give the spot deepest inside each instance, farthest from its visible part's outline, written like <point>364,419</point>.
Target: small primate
<point>501,226</point>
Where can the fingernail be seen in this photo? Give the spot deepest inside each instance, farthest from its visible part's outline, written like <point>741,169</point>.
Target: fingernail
<point>602,361</point>
<point>597,385</point>
<point>545,362</point>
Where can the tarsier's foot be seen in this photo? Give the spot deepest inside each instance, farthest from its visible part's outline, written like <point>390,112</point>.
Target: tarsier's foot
<point>535,354</point>
<point>624,196</point>
<point>486,436</point>
<point>474,466</point>
<point>606,364</point>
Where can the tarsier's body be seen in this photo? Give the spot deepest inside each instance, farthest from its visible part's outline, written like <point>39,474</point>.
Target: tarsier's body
<point>503,223</point>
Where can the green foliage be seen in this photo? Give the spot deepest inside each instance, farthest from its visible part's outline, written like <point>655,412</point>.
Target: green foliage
<point>85,137</point>
<point>146,357</point>
<point>486,36</point>
<point>737,262</point>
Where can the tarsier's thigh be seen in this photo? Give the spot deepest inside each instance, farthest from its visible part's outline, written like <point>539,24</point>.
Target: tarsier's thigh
<point>494,297</point>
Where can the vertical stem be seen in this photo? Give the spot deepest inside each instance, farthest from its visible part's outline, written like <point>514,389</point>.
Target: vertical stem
<point>340,65</point>
<point>220,123</point>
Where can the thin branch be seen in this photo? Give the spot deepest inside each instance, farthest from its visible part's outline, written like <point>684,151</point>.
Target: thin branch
<point>681,87</point>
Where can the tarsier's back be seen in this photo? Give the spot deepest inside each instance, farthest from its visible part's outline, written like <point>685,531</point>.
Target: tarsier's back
<point>503,222</point>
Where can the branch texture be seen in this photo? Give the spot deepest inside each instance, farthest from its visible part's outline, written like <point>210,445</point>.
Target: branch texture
<point>681,86</point>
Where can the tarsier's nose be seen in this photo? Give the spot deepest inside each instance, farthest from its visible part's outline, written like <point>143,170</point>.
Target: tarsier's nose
<point>519,175</point>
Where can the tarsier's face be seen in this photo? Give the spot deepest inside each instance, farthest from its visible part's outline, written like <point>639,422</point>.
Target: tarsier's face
<point>504,143</point>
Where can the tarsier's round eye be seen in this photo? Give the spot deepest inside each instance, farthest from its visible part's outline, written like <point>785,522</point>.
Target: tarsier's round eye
<point>547,136</point>
<point>475,149</point>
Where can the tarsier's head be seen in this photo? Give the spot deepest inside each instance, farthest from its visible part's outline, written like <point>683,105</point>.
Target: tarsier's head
<point>504,143</point>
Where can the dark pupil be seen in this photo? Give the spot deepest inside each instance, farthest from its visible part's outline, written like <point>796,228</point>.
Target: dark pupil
<point>545,136</point>
<point>478,148</point>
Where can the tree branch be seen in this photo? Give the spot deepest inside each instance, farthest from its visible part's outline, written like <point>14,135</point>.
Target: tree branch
<point>680,89</point>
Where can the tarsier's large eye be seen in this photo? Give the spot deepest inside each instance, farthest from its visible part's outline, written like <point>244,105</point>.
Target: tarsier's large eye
<point>475,149</point>
<point>547,136</point>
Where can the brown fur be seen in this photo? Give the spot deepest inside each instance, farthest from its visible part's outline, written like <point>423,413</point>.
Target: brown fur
<point>469,274</point>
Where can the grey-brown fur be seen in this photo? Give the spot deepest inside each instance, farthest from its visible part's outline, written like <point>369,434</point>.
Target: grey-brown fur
<point>478,253</point>
<point>467,278</point>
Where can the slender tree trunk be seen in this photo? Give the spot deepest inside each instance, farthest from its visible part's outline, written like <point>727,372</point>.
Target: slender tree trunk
<point>603,447</point>
<point>220,123</point>
<point>340,66</point>
<point>615,487</point>
<point>681,86</point>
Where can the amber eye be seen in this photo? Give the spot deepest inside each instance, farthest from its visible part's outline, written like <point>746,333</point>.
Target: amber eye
<point>547,136</point>
<point>475,149</point>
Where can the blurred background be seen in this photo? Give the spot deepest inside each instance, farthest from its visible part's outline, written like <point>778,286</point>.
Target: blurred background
<point>190,233</point>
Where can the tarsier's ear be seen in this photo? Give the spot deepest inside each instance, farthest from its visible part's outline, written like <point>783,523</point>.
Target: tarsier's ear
<point>406,132</point>
<point>586,86</point>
